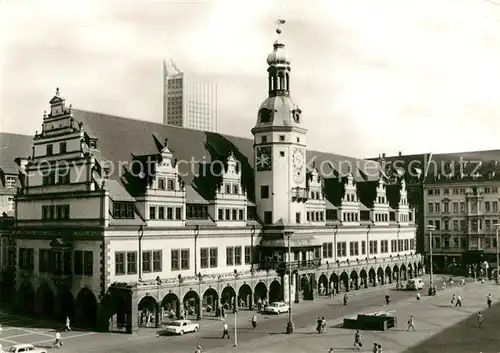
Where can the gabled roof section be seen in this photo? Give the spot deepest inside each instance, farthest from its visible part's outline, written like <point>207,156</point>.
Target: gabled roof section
<point>13,146</point>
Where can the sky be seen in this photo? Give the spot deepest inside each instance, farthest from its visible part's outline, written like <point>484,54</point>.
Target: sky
<point>371,76</point>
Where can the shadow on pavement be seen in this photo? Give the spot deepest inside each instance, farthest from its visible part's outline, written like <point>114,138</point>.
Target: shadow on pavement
<point>466,336</point>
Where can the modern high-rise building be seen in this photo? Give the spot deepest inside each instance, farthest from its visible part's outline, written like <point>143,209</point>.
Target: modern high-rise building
<point>187,101</point>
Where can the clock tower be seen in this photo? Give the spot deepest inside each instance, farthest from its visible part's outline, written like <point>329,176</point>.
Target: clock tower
<point>280,147</point>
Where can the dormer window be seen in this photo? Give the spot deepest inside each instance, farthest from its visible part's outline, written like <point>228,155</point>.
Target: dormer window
<point>123,210</point>
<point>228,188</point>
<point>235,189</point>
<point>161,183</point>
<point>10,182</point>
<point>50,150</point>
<point>171,184</point>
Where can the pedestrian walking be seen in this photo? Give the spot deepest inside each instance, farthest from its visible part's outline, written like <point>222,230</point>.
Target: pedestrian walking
<point>489,299</point>
<point>453,299</point>
<point>459,301</point>
<point>379,348</point>
<point>199,348</point>
<point>418,297</point>
<point>225,332</point>
<point>375,348</point>
<point>357,340</point>
<point>254,321</point>
<point>68,324</point>
<point>345,299</point>
<point>411,323</point>
<point>480,319</point>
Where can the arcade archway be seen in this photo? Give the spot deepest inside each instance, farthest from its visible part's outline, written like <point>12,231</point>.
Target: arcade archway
<point>26,298</point>
<point>334,282</point>
<point>171,305</point>
<point>227,297</point>
<point>344,280</point>
<point>45,301</point>
<point>410,270</point>
<point>245,296</point>
<point>388,274</point>
<point>372,277</point>
<point>354,280</point>
<point>260,292</point>
<point>420,269</point>
<point>323,285</point>
<point>210,300</point>
<point>403,273</point>
<point>364,278</point>
<point>275,294</point>
<point>86,309</point>
<point>67,306</point>
<point>147,310</point>
<point>191,303</point>
<point>380,275</point>
<point>395,273</point>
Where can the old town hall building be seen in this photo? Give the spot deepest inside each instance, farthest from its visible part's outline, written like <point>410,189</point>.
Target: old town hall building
<point>121,221</point>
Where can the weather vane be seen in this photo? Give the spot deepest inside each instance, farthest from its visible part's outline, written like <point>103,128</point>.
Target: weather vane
<point>279,22</point>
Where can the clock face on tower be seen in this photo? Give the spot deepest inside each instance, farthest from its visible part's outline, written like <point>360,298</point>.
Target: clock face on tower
<point>263,159</point>
<point>298,166</point>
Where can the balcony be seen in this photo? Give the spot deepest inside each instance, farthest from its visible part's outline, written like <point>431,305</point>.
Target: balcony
<point>300,194</point>
<point>295,265</point>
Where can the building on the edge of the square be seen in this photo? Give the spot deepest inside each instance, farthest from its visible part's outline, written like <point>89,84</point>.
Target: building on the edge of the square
<point>130,216</point>
<point>188,101</point>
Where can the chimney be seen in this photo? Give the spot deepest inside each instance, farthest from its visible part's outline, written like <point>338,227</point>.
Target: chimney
<point>400,153</point>
<point>383,155</point>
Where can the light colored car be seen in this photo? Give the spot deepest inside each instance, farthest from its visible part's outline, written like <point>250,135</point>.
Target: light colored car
<point>277,308</point>
<point>18,348</point>
<point>415,284</point>
<point>180,327</point>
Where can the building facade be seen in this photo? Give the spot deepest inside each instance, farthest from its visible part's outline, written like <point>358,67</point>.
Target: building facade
<point>118,217</point>
<point>187,101</point>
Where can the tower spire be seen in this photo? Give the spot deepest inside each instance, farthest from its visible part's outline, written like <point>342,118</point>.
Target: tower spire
<point>279,66</point>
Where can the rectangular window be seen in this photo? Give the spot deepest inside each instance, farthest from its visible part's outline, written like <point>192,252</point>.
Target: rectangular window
<point>373,247</point>
<point>146,261</point>
<point>341,249</point>
<point>170,213</point>
<point>237,255</point>
<point>175,260</point>
<point>10,204</point>
<point>88,263</point>
<point>161,212</point>
<point>50,150</point>
<point>43,261</point>
<point>228,214</point>
<point>204,257</point>
<point>161,183</point>
<point>221,214</point>
<point>119,263</point>
<point>394,245</point>
<point>157,260</point>
<point>152,212</point>
<point>353,248</point>
<point>264,191</point>
<point>240,215</point>
<point>234,214</point>
<point>268,217</point>
<point>384,246</point>
<point>131,262</point>
<point>229,256</point>
<point>178,213</point>
<point>62,147</point>
<point>297,217</point>
<point>10,182</point>
<point>213,257</point>
<point>248,255</point>
<point>363,247</point>
<point>185,259</point>
<point>171,184</point>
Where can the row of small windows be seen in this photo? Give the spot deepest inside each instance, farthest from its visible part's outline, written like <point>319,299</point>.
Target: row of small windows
<point>350,217</point>
<point>158,212</point>
<point>58,262</point>
<point>489,206</point>
<point>124,210</point>
<point>315,216</point>
<point>350,197</point>
<point>228,214</point>
<point>381,217</point>
<point>165,184</point>
<point>281,138</point>
<point>50,149</point>
<point>316,195</point>
<point>355,249</point>
<point>459,225</point>
<point>232,188</point>
<point>53,177</point>
<point>381,199</point>
<point>460,191</point>
<point>55,212</point>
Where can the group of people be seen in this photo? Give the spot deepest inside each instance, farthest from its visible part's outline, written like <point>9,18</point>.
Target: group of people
<point>377,347</point>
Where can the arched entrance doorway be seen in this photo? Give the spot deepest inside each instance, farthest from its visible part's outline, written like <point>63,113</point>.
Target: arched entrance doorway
<point>395,273</point>
<point>388,275</point>
<point>380,275</point>
<point>323,285</point>
<point>354,280</point>
<point>147,311</point>
<point>191,303</point>
<point>245,296</point>
<point>410,270</point>
<point>364,278</point>
<point>275,294</point>
<point>171,306</point>
<point>306,286</point>
<point>67,306</point>
<point>86,309</point>
<point>26,298</point>
<point>260,292</point>
<point>45,301</point>
<point>227,297</point>
<point>334,282</point>
<point>210,301</point>
<point>402,273</point>
<point>372,277</point>
<point>344,280</point>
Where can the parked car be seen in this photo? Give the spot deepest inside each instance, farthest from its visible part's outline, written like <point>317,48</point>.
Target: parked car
<point>18,348</point>
<point>415,284</point>
<point>180,327</point>
<point>277,308</point>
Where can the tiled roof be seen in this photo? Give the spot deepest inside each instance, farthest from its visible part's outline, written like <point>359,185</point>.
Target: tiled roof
<point>121,138</point>
<point>13,146</point>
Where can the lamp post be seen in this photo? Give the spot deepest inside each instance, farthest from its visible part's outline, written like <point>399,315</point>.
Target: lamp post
<point>497,279</point>
<point>290,327</point>
<point>235,309</point>
<point>200,297</point>
<point>430,228</point>
<point>159,314</point>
